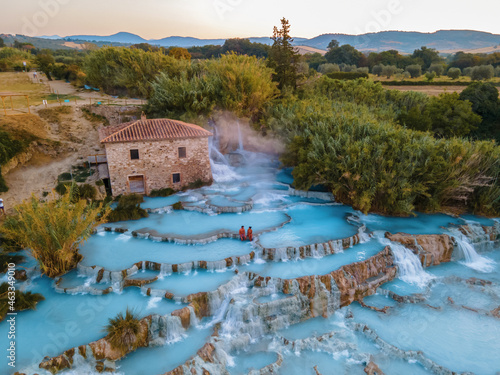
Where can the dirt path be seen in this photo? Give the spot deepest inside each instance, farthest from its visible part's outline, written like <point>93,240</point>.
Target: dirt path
<point>78,139</point>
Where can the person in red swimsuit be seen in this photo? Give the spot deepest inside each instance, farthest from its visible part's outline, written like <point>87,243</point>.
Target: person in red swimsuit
<point>242,233</point>
<point>250,234</point>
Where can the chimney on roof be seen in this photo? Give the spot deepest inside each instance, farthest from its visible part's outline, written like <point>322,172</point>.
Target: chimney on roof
<point>143,116</point>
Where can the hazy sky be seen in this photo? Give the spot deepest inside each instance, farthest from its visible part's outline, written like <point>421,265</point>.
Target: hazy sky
<point>243,18</point>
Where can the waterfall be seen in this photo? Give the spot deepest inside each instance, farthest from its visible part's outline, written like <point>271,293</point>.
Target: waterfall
<point>215,154</point>
<point>410,268</point>
<point>221,170</point>
<point>363,236</point>
<point>337,245</point>
<point>472,258</point>
<point>475,235</point>
<point>165,270</point>
<point>175,331</point>
<point>240,139</point>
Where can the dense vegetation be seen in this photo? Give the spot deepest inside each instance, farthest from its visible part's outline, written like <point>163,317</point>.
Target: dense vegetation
<point>22,300</point>
<point>120,70</point>
<point>377,166</point>
<point>241,84</point>
<point>53,230</point>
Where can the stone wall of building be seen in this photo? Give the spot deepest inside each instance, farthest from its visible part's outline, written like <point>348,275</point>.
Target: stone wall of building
<point>158,160</point>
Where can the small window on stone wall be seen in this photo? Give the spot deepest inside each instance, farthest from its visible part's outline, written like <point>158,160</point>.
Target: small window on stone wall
<point>134,154</point>
<point>182,152</point>
<point>176,177</point>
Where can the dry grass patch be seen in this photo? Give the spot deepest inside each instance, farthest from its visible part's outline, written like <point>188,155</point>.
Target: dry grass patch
<point>21,83</point>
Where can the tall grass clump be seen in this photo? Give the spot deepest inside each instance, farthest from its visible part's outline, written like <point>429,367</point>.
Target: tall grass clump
<point>53,230</point>
<point>123,331</point>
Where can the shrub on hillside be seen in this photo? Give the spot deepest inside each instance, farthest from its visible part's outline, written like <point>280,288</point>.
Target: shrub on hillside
<point>414,70</point>
<point>454,73</point>
<point>482,72</point>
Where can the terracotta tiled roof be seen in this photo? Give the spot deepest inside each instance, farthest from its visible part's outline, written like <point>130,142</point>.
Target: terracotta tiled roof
<point>151,129</point>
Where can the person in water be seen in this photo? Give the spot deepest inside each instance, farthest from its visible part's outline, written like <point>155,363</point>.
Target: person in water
<point>250,234</point>
<point>242,233</point>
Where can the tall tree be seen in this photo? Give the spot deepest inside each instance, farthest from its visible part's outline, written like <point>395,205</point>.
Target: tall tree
<point>283,57</point>
<point>45,61</point>
<point>426,56</point>
<point>345,54</point>
<point>486,103</point>
<point>2,44</point>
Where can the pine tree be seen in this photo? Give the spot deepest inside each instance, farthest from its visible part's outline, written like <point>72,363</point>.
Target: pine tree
<point>283,57</point>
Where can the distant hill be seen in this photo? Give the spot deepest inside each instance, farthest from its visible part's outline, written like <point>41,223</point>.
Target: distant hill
<point>171,41</point>
<point>121,37</point>
<point>446,41</point>
<point>51,43</point>
<point>306,49</point>
<point>405,41</point>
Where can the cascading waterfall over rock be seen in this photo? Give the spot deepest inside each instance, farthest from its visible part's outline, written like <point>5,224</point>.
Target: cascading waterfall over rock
<point>465,250</point>
<point>410,268</point>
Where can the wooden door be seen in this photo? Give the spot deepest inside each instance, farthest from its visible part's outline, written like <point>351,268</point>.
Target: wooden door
<point>136,184</point>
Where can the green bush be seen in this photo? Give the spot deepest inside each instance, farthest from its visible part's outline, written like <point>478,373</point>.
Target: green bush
<point>11,59</point>
<point>241,84</point>
<point>128,208</point>
<point>482,72</point>
<point>454,73</point>
<point>66,176</point>
<point>5,259</point>
<point>84,191</point>
<point>196,184</point>
<point>165,192</point>
<point>328,68</point>
<point>23,300</point>
<point>178,206</point>
<point>414,70</point>
<point>429,76</point>
<point>347,75</point>
<point>87,191</point>
<point>128,71</point>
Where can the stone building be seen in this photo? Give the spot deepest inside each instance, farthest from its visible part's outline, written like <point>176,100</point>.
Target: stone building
<point>150,154</point>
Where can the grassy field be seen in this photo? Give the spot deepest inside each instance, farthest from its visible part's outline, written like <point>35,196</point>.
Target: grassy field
<point>429,89</point>
<point>20,83</point>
